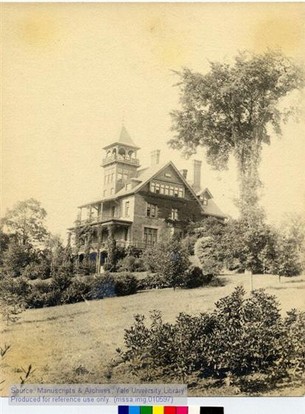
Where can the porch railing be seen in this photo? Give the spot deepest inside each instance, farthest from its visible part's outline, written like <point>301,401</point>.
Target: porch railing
<point>98,219</point>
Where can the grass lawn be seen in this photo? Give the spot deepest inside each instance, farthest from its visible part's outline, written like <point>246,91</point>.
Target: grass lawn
<point>76,343</point>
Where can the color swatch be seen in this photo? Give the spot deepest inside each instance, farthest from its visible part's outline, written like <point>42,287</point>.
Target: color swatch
<point>146,409</point>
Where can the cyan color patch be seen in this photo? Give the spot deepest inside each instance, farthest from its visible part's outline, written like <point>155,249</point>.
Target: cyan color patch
<point>134,409</point>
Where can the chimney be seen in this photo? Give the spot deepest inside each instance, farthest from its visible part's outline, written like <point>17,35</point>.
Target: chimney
<point>197,175</point>
<point>155,157</point>
<point>183,173</point>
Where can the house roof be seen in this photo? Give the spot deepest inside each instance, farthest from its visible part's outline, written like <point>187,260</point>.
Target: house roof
<point>211,209</point>
<point>146,174</point>
<point>124,139</point>
<point>205,191</point>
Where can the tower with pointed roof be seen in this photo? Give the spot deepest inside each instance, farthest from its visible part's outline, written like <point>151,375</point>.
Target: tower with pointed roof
<point>120,163</point>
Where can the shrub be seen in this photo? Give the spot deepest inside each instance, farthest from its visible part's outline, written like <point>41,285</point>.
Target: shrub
<point>194,278</point>
<point>107,285</point>
<point>61,281</point>
<point>77,291</point>
<point>288,262</point>
<point>131,264</point>
<point>102,286</point>
<point>11,300</point>
<point>241,337</point>
<point>250,246</point>
<point>189,243</point>
<point>153,281</point>
<point>16,258</point>
<point>126,264</point>
<point>210,257</point>
<point>41,299</point>
<point>37,271</point>
<point>19,286</point>
<point>169,260</point>
<point>125,284</point>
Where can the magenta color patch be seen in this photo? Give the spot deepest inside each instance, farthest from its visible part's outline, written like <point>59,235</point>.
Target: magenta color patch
<point>182,410</point>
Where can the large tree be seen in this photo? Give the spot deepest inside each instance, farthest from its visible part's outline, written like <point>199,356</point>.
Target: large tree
<point>26,222</point>
<point>229,110</point>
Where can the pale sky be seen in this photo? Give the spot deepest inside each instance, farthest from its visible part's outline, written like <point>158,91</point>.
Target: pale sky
<point>71,72</point>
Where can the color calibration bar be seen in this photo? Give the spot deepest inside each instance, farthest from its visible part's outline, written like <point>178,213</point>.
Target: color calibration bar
<point>125,409</point>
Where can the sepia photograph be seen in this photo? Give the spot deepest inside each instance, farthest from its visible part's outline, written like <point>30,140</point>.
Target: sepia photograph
<point>152,225</point>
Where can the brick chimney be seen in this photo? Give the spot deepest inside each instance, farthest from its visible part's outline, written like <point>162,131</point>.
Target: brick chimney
<point>183,173</point>
<point>155,157</point>
<point>197,175</point>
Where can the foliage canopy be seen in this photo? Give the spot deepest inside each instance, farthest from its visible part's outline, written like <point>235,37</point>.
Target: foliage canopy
<point>229,109</point>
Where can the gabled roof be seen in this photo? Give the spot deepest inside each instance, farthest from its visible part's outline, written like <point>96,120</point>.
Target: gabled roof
<point>211,209</point>
<point>124,139</point>
<point>149,173</point>
<point>144,176</point>
<point>205,191</point>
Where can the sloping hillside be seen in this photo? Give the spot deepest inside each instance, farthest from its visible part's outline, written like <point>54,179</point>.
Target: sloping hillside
<point>76,343</point>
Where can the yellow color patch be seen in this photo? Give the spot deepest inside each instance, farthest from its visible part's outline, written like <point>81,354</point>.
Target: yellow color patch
<point>158,410</point>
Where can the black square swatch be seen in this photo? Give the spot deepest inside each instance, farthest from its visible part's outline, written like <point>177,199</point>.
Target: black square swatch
<point>211,410</point>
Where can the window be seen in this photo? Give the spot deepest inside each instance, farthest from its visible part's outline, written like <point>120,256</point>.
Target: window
<point>127,208</point>
<point>150,236</point>
<point>204,200</point>
<point>113,211</point>
<point>120,174</point>
<point>174,214</point>
<point>112,191</point>
<point>166,189</point>
<point>151,210</point>
<point>105,193</point>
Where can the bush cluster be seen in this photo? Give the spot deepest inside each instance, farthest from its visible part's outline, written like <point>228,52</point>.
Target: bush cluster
<point>63,289</point>
<point>131,264</point>
<point>241,337</point>
<point>192,277</point>
<point>169,259</point>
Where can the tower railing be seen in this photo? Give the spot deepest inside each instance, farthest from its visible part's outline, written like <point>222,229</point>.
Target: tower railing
<point>124,158</point>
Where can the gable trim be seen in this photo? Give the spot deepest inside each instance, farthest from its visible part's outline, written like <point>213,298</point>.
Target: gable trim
<point>170,163</point>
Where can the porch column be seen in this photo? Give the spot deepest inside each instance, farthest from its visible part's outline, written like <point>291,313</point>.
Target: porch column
<point>98,255</point>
